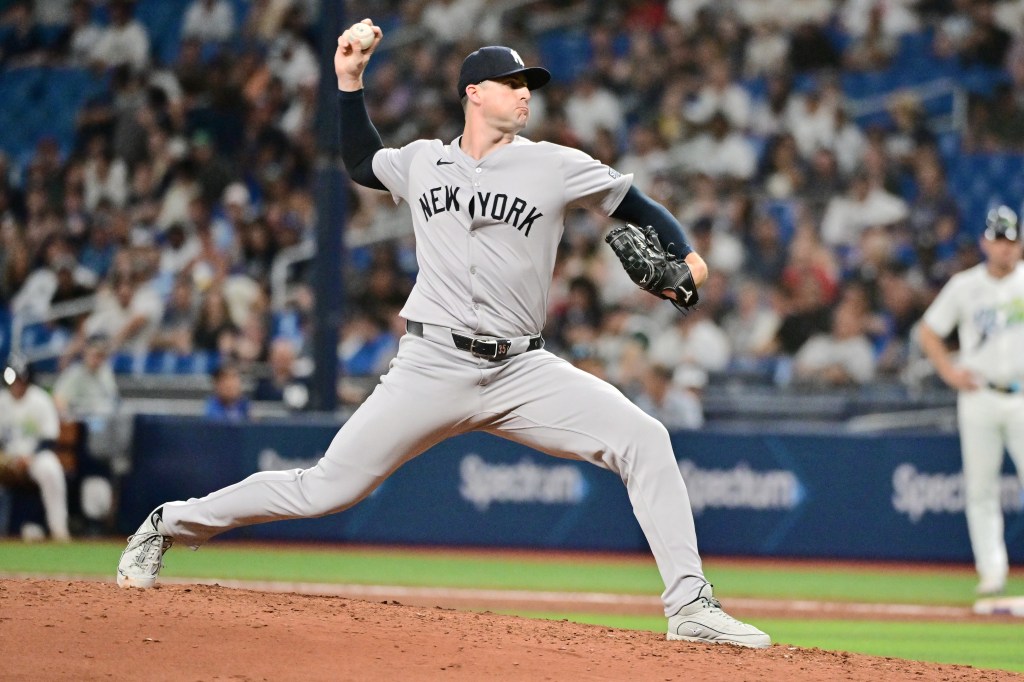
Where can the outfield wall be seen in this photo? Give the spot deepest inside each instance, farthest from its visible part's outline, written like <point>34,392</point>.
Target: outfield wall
<point>764,494</point>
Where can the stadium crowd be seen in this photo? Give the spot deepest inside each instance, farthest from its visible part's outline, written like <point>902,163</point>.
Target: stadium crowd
<point>188,178</point>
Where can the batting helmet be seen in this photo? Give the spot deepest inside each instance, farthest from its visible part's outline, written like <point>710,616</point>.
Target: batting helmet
<point>1002,224</point>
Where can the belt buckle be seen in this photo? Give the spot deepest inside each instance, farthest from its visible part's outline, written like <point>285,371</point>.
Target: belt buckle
<point>492,349</point>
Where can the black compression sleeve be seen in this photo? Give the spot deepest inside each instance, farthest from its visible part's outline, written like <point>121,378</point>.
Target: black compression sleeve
<point>639,209</point>
<point>359,139</point>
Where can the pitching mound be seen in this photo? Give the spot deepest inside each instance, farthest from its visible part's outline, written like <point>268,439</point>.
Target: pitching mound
<point>59,630</point>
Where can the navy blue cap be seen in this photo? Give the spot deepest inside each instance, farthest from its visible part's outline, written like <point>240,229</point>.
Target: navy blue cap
<point>1002,224</point>
<point>497,61</point>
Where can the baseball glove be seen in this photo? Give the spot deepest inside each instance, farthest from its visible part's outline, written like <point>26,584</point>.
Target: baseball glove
<point>652,267</point>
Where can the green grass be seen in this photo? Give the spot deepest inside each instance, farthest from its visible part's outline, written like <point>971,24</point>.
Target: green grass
<point>996,645</point>
<point>982,645</point>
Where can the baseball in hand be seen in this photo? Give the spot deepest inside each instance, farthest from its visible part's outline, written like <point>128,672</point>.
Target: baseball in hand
<point>362,34</point>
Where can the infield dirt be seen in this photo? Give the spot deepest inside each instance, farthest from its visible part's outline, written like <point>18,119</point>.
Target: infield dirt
<point>75,630</point>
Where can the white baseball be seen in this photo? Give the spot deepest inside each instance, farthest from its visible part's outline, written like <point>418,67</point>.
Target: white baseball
<point>362,34</point>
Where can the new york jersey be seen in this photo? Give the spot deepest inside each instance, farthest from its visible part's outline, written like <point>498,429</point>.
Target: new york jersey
<point>990,315</point>
<point>487,230</point>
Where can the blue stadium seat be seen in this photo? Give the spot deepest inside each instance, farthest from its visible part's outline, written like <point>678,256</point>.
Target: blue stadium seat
<point>162,19</point>
<point>566,54</point>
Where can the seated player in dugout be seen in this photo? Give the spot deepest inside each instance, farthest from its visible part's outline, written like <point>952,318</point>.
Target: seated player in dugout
<point>488,210</point>
<point>29,428</point>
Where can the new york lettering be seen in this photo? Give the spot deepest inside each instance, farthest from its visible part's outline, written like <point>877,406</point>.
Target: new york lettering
<point>497,206</point>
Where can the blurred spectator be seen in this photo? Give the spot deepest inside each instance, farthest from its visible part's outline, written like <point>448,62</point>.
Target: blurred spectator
<point>751,325</point>
<point>842,357</point>
<point>875,44</point>
<point>769,114</point>
<point>720,95</point>
<point>589,107</point>
<point>124,42</point>
<point>931,215</point>
<point>179,320</point>
<point>986,43</point>
<point>209,21</point>
<point>76,40</point>
<point>889,18</point>
<point>367,344</point>
<point>767,51</point>
<point>646,157</point>
<point>694,340</point>
<point>450,21</point>
<point>179,249</point>
<point>57,278</point>
<point>805,312</point>
<point>293,62</point>
<point>675,406</point>
<point>721,250</point>
<point>213,173</point>
<point>283,384</point>
<point>86,390</point>
<point>810,49</point>
<point>824,181</point>
<point>105,176</point>
<point>785,175</point>
<point>227,401</point>
<point>862,206</point>
<point>214,331</point>
<point>22,44</point>
<point>720,153</point>
<point>128,312</point>
<point>811,117</point>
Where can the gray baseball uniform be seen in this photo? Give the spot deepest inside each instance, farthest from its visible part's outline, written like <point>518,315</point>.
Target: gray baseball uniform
<point>487,231</point>
<point>486,236</point>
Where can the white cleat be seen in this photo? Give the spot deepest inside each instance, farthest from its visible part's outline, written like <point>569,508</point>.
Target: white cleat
<point>703,620</point>
<point>990,587</point>
<point>143,558</point>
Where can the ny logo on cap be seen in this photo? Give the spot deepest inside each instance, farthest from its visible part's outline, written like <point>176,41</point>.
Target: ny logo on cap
<point>515,56</point>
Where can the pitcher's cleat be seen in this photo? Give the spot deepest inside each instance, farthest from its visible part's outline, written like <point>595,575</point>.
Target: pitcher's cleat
<point>143,558</point>
<point>703,620</point>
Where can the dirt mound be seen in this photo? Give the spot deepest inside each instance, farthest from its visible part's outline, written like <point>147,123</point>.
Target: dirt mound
<point>60,630</point>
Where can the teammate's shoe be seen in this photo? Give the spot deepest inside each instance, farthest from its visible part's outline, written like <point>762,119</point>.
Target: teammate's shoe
<point>143,558</point>
<point>990,587</point>
<point>703,620</point>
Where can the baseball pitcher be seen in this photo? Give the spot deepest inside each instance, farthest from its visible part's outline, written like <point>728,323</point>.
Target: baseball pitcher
<point>488,210</point>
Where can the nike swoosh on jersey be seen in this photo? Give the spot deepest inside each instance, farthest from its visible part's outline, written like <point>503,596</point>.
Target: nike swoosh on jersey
<point>441,162</point>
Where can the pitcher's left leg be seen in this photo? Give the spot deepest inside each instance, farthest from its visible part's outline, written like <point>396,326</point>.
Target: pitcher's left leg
<point>546,403</point>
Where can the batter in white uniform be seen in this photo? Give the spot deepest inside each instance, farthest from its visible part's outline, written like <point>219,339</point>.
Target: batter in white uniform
<point>986,303</point>
<point>488,210</point>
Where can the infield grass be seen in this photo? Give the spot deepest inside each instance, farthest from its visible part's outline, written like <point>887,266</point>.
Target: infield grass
<point>997,645</point>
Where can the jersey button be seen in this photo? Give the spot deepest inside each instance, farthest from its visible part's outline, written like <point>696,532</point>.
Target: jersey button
<point>476,306</point>
<point>472,270</point>
<point>479,170</point>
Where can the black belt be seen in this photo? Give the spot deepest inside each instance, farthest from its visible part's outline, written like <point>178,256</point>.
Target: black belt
<point>1015,387</point>
<point>489,348</point>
